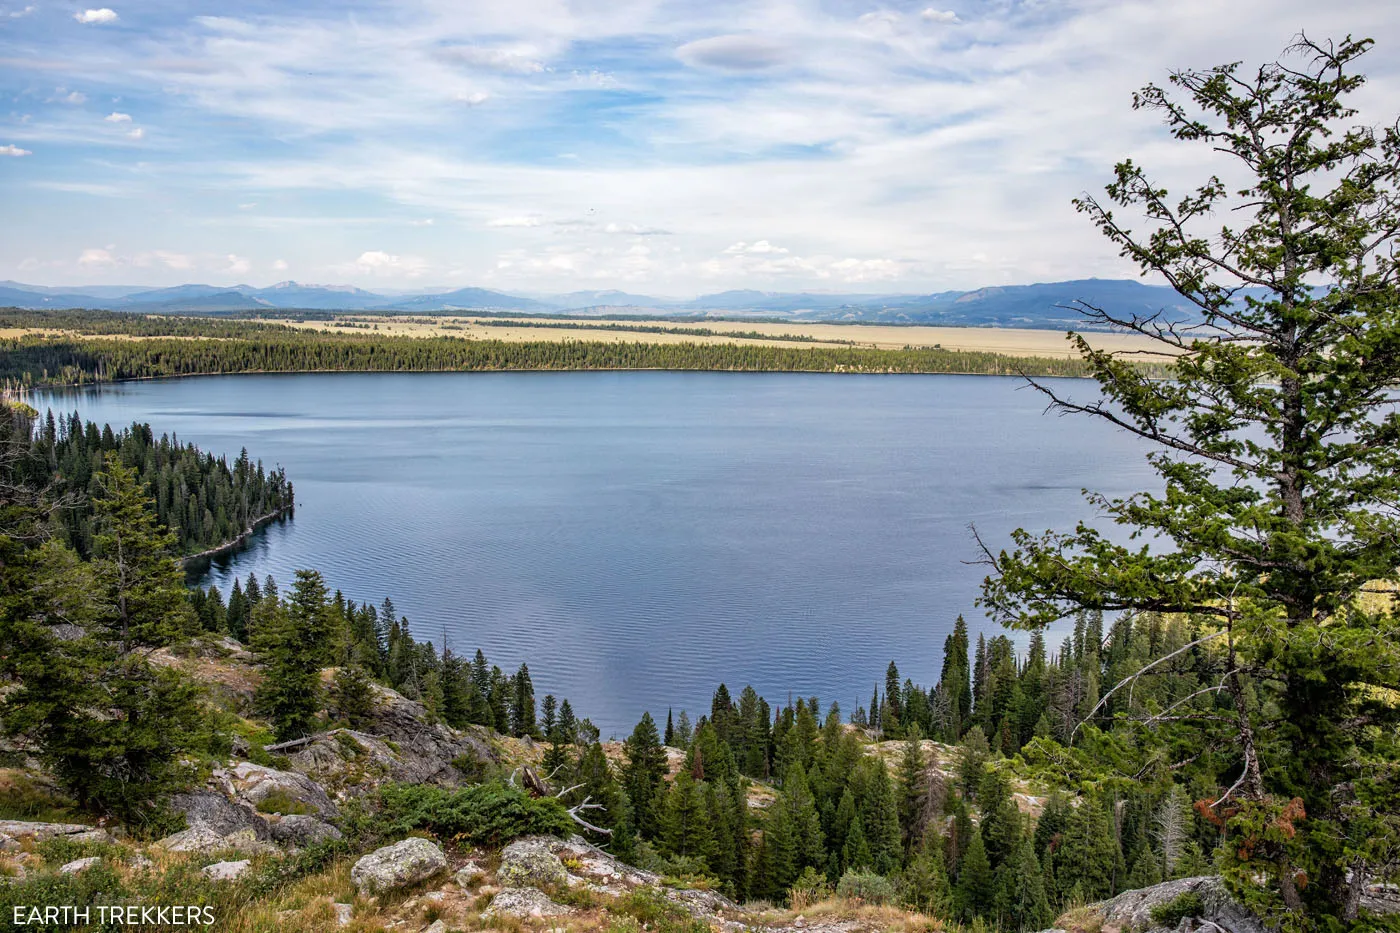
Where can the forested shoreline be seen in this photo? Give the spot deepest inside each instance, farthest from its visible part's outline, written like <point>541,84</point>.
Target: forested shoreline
<point>99,347</point>
<point>204,501</point>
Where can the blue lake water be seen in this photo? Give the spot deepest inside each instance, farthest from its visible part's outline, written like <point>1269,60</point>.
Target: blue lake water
<point>637,537</point>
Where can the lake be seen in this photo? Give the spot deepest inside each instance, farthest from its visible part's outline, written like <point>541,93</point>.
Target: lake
<point>637,537</point>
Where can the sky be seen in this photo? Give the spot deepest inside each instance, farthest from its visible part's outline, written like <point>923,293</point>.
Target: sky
<point>667,148</point>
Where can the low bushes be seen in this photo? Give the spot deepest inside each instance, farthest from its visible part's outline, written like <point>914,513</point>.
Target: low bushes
<point>482,814</point>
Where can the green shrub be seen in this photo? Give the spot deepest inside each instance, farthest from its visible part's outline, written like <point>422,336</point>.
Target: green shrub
<point>654,912</point>
<point>865,886</point>
<point>810,887</point>
<point>23,798</point>
<point>279,801</point>
<point>59,850</point>
<point>483,814</point>
<point>1172,912</point>
<point>97,885</point>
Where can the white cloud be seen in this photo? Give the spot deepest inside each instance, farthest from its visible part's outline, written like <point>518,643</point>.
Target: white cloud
<point>378,262</point>
<point>101,16</point>
<point>881,19</point>
<point>472,98</point>
<point>12,150</point>
<point>237,264</point>
<point>866,270</point>
<point>508,61</point>
<point>279,265</point>
<point>425,222</point>
<point>137,133</point>
<point>935,15</point>
<point>757,248</point>
<point>96,257</point>
<point>164,257</point>
<point>515,221</point>
<point>76,97</point>
<point>84,187</point>
<point>115,117</point>
<point>908,145</point>
<point>635,230</point>
<point>16,14</point>
<point>734,52</point>
<point>227,24</point>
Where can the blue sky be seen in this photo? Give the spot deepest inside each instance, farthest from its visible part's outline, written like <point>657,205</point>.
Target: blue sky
<point>544,145</point>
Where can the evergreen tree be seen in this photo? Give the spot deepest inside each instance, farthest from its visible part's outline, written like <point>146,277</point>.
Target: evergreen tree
<point>776,867</point>
<point>911,790</point>
<point>1087,856</point>
<point>1001,820</point>
<point>855,853</point>
<point>1021,903</point>
<point>1275,440</point>
<point>237,615</point>
<point>879,814</point>
<point>599,785</point>
<point>110,726</point>
<point>926,885</point>
<point>522,704</point>
<point>684,732</point>
<point>685,821</point>
<point>457,690</point>
<point>289,642</point>
<point>1146,870</point>
<point>893,717</point>
<point>809,843</point>
<point>975,893</point>
<point>972,761</point>
<point>643,776</point>
<point>352,697</point>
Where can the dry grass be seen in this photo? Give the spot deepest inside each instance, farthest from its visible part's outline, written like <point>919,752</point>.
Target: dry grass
<point>1080,920</point>
<point>1003,340</point>
<point>866,916</point>
<point>1007,341</point>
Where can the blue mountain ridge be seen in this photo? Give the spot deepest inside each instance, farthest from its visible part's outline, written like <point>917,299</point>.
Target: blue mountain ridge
<point>1042,305</point>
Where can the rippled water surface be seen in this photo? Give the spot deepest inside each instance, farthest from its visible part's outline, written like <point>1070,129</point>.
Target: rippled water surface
<point>637,537</point>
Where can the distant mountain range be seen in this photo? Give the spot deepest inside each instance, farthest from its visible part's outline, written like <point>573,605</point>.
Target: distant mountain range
<point>1034,306</point>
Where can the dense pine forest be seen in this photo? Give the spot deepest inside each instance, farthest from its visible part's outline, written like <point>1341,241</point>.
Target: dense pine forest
<point>90,351</point>
<point>936,827</point>
<point>202,499</point>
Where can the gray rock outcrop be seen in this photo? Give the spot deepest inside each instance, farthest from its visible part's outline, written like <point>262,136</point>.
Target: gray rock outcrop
<point>227,871</point>
<point>259,786</point>
<point>1133,909</point>
<point>76,832</point>
<point>524,902</point>
<point>220,813</point>
<point>78,866</point>
<point>531,862</point>
<point>202,838</point>
<point>399,743</point>
<point>399,865</point>
<point>468,874</point>
<point>1219,912</point>
<point>224,814</point>
<point>300,830</point>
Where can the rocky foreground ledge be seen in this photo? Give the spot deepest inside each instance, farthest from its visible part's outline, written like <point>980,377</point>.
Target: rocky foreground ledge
<point>1190,904</point>
<point>246,817</point>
